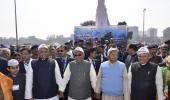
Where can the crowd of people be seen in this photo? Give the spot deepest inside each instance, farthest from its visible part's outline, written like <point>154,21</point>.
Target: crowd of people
<point>85,70</point>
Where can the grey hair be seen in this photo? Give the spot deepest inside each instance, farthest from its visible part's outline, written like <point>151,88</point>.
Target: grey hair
<point>112,49</point>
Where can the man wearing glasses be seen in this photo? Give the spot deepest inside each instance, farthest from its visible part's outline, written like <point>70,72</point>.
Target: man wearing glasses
<point>81,75</point>
<point>63,59</point>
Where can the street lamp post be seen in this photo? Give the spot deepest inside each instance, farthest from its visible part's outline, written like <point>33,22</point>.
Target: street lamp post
<point>143,38</point>
<point>16,28</point>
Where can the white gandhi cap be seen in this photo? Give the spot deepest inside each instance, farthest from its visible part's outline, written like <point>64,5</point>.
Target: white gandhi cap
<point>13,62</point>
<point>142,50</point>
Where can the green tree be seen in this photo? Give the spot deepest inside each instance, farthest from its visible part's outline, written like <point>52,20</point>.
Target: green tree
<point>88,23</point>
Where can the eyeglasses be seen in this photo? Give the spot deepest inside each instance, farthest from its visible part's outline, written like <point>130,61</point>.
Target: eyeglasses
<point>77,55</point>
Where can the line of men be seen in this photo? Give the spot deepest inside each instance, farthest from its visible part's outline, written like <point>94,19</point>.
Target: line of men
<point>79,79</point>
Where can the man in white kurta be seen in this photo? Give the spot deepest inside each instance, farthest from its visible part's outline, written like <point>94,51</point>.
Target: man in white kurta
<point>42,77</point>
<point>81,76</point>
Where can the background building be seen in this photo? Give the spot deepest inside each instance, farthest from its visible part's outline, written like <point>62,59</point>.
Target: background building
<point>166,34</point>
<point>152,32</point>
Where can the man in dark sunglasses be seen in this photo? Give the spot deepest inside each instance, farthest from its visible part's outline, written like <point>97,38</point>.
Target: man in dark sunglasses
<point>63,59</point>
<point>81,76</point>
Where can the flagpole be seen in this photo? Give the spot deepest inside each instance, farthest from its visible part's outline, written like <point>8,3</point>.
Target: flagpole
<point>16,28</point>
<point>143,38</point>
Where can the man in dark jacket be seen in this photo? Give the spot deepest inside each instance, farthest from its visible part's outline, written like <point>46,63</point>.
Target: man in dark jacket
<point>153,54</point>
<point>26,60</point>
<point>132,55</point>
<point>43,77</point>
<point>145,78</point>
<point>63,61</point>
<point>3,65</point>
<point>92,59</point>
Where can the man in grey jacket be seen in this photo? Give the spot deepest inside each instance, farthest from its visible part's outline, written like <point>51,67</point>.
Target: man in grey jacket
<point>81,75</point>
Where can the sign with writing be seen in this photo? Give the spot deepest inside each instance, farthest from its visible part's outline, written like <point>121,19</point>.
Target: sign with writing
<point>117,33</point>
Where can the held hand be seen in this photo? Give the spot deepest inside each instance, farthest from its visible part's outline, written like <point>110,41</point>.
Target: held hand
<point>61,94</point>
<point>97,96</point>
<point>166,95</point>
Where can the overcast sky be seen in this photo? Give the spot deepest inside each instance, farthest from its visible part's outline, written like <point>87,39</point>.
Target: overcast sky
<point>44,17</point>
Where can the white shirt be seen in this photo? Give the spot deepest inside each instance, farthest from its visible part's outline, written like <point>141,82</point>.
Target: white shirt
<point>75,99</point>
<point>26,66</point>
<point>101,58</point>
<point>159,82</point>
<point>67,75</point>
<point>29,81</point>
<point>90,60</point>
<point>70,52</point>
<point>53,98</point>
